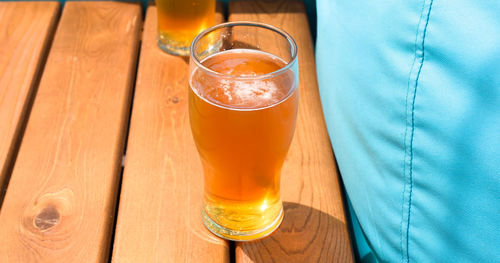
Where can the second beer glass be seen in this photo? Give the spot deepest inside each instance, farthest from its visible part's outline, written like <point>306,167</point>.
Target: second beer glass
<point>179,21</point>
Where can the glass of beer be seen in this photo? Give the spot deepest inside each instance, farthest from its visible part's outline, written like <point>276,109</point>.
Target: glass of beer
<point>243,100</point>
<point>179,21</point>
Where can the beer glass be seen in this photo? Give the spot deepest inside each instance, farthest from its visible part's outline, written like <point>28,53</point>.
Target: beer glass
<point>243,100</point>
<point>179,21</point>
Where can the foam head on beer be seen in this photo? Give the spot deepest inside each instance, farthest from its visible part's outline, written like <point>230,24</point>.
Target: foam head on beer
<point>244,93</point>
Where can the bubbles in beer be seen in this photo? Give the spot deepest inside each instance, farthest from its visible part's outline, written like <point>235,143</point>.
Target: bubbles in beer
<point>243,92</point>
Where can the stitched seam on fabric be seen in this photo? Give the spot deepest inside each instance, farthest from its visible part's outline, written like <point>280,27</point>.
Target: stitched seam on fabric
<point>403,220</point>
<point>412,132</point>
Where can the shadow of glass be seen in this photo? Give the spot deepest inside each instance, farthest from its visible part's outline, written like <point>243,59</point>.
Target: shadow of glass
<point>305,235</point>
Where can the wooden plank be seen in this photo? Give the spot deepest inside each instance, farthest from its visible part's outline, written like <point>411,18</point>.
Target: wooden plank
<point>160,202</point>
<point>24,45</point>
<point>314,227</point>
<point>60,202</point>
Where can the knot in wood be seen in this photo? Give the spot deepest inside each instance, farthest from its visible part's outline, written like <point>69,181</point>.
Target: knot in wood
<point>47,218</point>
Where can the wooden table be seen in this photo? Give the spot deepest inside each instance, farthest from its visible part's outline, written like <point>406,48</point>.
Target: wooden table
<point>97,162</point>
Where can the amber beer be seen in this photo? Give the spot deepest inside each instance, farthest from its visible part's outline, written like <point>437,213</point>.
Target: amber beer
<point>179,21</point>
<point>243,108</point>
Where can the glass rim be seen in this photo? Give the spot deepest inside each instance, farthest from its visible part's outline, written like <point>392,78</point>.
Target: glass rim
<point>289,64</point>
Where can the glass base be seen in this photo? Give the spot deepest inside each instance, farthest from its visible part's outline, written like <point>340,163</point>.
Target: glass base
<point>239,235</point>
<point>173,48</point>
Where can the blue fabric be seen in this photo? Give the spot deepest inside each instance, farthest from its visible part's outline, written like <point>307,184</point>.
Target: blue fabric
<point>411,97</point>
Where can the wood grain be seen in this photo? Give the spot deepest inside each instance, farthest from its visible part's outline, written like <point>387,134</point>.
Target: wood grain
<point>314,228</point>
<point>60,202</point>
<point>160,202</point>
<point>23,48</point>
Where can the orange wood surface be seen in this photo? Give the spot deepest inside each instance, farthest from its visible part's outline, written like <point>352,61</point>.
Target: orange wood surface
<point>314,227</point>
<point>61,198</point>
<point>160,203</point>
<point>23,48</point>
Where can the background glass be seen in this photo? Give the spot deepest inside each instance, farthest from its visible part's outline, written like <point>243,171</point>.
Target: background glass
<point>243,101</point>
<point>179,21</point>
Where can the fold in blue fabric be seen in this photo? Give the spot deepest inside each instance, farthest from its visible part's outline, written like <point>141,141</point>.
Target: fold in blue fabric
<point>411,96</point>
